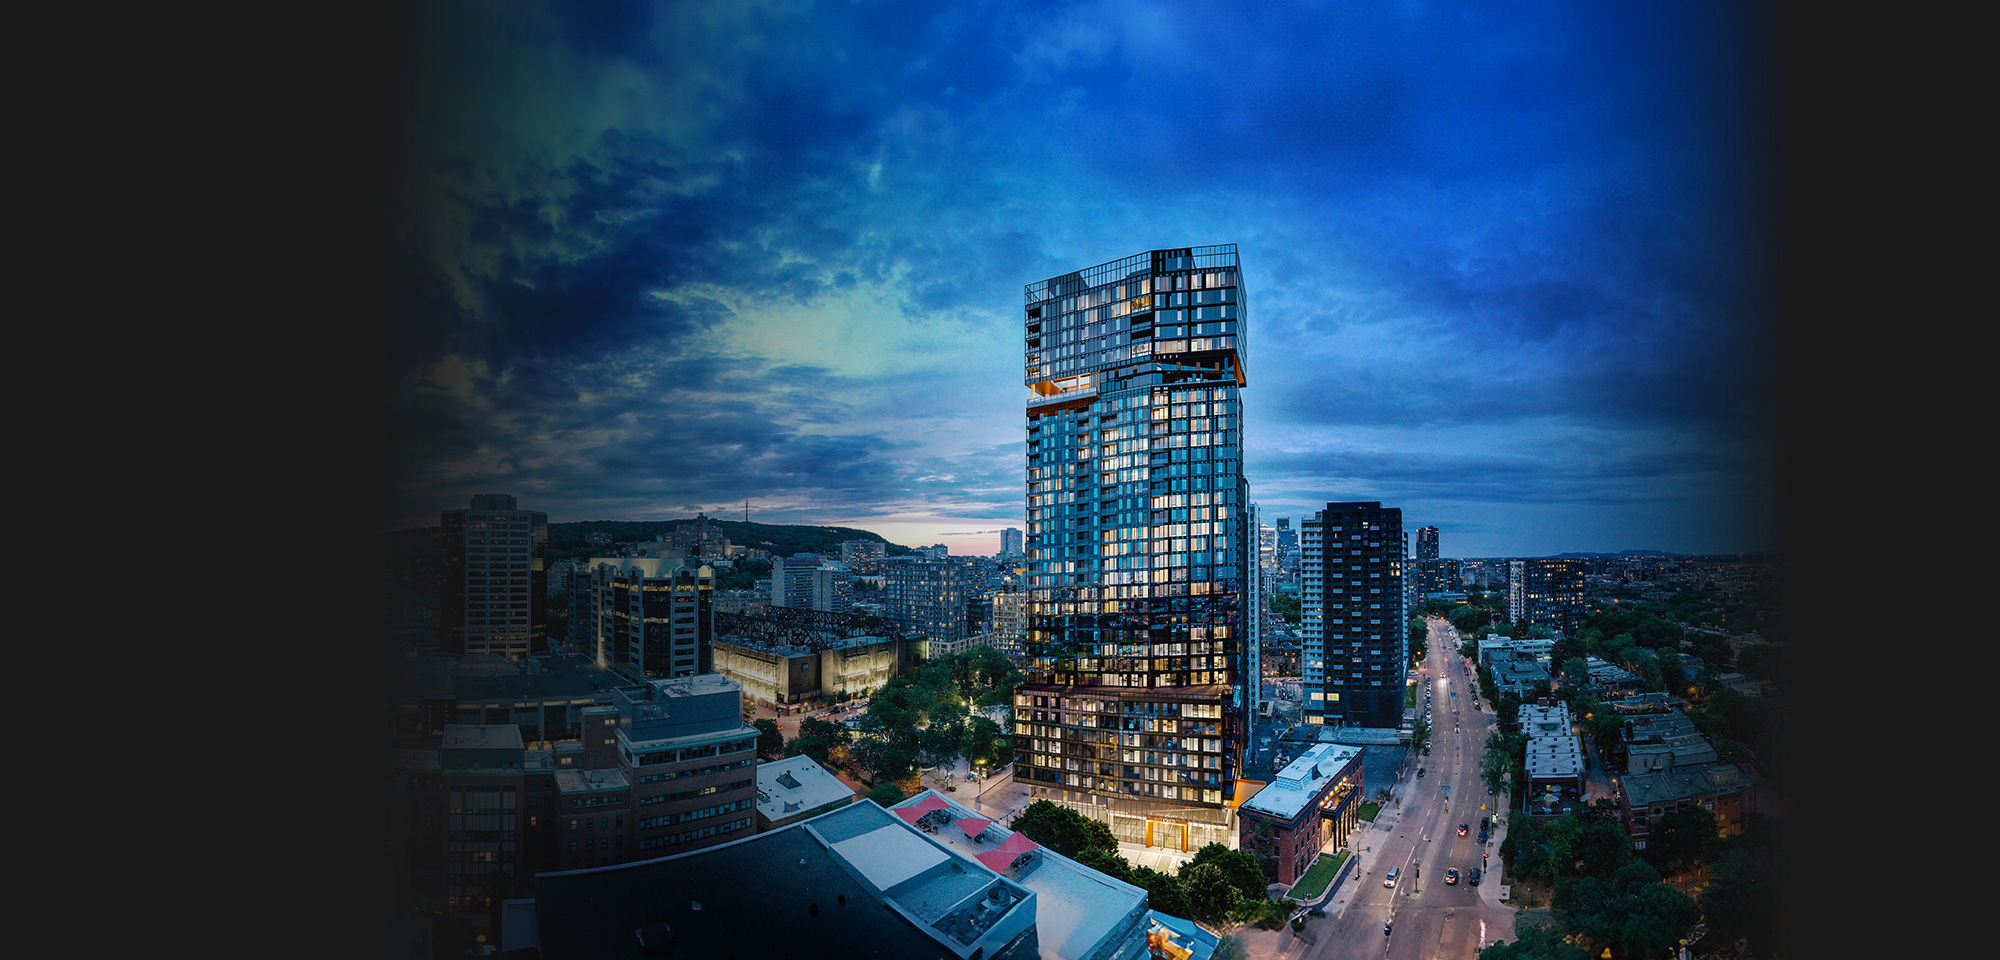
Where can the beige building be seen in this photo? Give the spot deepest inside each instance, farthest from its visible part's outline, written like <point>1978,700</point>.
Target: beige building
<point>783,676</point>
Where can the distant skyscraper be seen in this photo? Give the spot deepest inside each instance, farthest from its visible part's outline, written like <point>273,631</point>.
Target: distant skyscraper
<point>925,598</point>
<point>1011,543</point>
<point>864,557</point>
<point>1288,550</point>
<point>833,588</point>
<point>1548,592</point>
<point>1355,634</point>
<point>495,591</point>
<point>1138,559</point>
<point>792,580</point>
<point>1428,573</point>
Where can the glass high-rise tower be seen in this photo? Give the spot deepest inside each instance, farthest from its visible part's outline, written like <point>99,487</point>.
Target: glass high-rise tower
<point>1138,577</point>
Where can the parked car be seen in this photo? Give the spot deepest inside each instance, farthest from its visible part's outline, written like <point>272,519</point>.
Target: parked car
<point>1473,877</point>
<point>1420,772</point>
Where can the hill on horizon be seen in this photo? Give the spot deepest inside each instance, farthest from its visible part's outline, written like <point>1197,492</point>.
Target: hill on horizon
<point>783,539</point>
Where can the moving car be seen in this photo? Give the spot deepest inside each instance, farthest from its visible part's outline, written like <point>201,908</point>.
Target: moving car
<point>1462,829</point>
<point>1420,771</point>
<point>1473,878</point>
<point>1390,880</point>
<point>1451,876</point>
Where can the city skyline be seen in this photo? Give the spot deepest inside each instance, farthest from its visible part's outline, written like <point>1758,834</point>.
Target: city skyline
<point>1507,266</point>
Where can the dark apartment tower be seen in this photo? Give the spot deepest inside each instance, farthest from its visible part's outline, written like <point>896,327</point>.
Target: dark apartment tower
<point>1355,631</point>
<point>1546,592</point>
<point>1137,570</point>
<point>496,590</point>
<point>1429,573</point>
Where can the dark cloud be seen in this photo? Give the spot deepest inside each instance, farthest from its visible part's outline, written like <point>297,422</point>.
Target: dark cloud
<point>1524,225</point>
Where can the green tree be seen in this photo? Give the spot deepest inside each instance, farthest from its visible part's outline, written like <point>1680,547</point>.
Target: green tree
<point>1600,841</point>
<point>1505,753</point>
<point>1741,902</point>
<point>1163,890</point>
<point>1603,725</point>
<point>1635,919</point>
<point>1507,707</point>
<point>1063,830</point>
<point>1537,937</point>
<point>1574,672</point>
<point>1496,764</point>
<point>889,760</point>
<point>1107,862</point>
<point>1676,840</point>
<point>1288,606</point>
<point>817,747</point>
<point>770,740</point>
<point>937,744</point>
<point>887,794</point>
<point>1240,867</point>
<point>825,729</point>
<point>984,742</point>
<point>1210,896</point>
<point>1567,649</point>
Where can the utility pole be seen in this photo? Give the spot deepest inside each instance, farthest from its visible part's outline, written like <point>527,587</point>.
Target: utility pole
<point>746,509</point>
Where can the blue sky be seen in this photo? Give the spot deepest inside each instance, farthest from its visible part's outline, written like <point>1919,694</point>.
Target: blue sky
<point>1507,263</point>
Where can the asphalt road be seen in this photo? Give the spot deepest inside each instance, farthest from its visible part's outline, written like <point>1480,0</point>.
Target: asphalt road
<point>1431,919</point>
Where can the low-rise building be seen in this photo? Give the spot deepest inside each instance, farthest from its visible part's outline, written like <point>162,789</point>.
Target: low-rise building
<point>1657,742</point>
<point>1554,763</point>
<point>1720,788</point>
<point>1609,679</point>
<point>926,878</point>
<point>1313,800</point>
<point>1518,677</point>
<point>782,677</point>
<point>795,789</point>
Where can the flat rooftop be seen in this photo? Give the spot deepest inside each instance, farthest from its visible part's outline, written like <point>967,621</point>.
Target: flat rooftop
<point>1302,780</point>
<point>1076,907</point>
<point>855,882</point>
<point>794,785</point>
<point>1646,789</point>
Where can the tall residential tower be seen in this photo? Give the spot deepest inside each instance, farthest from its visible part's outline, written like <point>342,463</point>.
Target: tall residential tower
<point>1138,572</point>
<point>495,591</point>
<point>1354,631</point>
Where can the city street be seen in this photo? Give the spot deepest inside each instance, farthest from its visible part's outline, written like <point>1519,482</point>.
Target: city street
<point>1417,832</point>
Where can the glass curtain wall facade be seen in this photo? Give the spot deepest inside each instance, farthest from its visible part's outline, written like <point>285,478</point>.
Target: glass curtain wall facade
<point>1138,580</point>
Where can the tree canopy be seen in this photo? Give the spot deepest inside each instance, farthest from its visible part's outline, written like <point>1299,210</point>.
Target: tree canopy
<point>1063,830</point>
